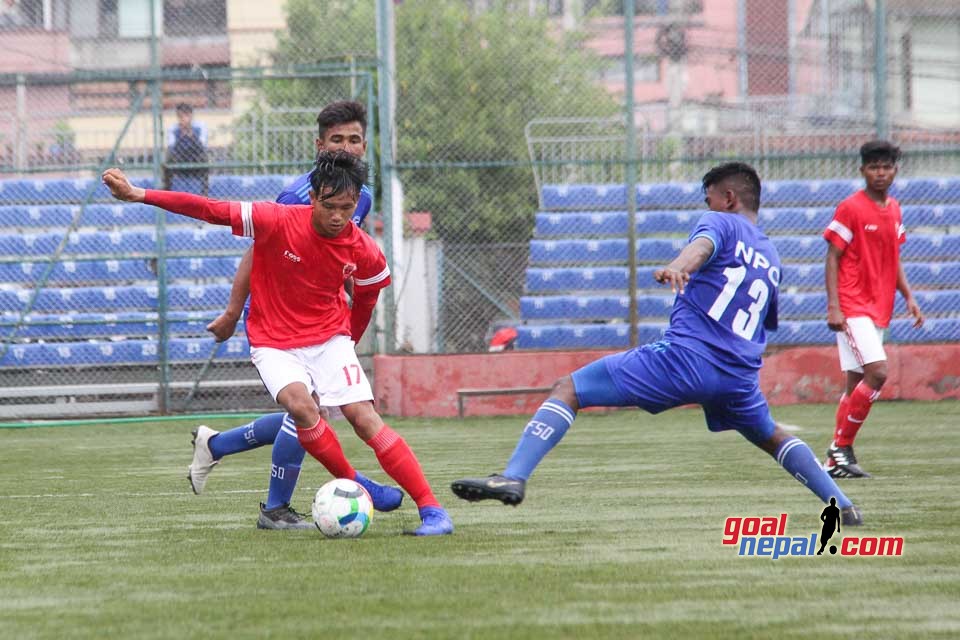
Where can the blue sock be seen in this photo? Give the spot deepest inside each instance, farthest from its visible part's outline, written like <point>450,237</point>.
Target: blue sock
<point>285,468</point>
<point>799,461</point>
<point>541,434</point>
<point>255,434</point>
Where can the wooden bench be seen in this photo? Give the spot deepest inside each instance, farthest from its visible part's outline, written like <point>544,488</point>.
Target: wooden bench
<point>463,394</point>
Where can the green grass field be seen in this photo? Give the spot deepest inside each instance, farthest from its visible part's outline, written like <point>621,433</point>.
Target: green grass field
<point>619,538</point>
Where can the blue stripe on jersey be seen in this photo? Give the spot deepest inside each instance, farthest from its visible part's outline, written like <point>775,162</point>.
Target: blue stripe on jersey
<point>723,313</point>
<point>298,192</point>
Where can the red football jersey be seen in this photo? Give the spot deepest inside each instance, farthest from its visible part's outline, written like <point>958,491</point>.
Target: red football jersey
<point>296,288</point>
<point>870,237</point>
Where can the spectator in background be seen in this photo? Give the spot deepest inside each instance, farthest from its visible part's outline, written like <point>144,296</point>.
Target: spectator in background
<point>186,144</point>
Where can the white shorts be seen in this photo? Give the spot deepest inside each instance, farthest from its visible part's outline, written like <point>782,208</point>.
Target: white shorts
<point>330,370</point>
<point>860,344</point>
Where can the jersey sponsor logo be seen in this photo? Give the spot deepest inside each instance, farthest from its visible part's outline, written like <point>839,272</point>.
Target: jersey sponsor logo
<point>766,536</point>
<point>757,260</point>
<point>348,270</point>
<point>291,256</point>
<point>870,227</point>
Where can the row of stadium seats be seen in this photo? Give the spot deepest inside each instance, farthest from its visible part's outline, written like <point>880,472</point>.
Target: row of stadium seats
<point>802,276</point>
<point>40,191</point>
<point>139,352</point>
<point>53,216</point>
<point>73,272</point>
<point>775,193</point>
<point>798,248</point>
<point>207,239</point>
<point>85,326</point>
<point>115,299</point>
<point>617,335</point>
<point>792,306</point>
<point>784,220</point>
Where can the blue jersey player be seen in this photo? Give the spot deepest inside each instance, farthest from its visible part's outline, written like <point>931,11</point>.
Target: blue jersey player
<point>342,126</point>
<point>727,280</point>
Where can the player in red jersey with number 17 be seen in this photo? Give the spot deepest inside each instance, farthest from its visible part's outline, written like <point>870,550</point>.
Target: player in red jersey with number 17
<point>301,331</point>
<point>863,274</point>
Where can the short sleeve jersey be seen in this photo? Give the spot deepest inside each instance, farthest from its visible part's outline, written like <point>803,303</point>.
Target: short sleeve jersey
<point>298,192</point>
<point>731,301</point>
<point>869,237</point>
<point>297,284</point>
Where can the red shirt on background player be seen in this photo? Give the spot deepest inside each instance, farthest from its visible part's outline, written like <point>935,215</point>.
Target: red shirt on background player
<point>863,273</point>
<point>304,348</point>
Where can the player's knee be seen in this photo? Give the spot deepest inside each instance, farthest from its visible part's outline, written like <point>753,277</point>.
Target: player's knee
<point>364,419</point>
<point>876,377</point>
<point>563,390</point>
<point>303,411</point>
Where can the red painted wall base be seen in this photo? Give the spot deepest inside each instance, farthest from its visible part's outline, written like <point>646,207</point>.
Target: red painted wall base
<point>426,386</point>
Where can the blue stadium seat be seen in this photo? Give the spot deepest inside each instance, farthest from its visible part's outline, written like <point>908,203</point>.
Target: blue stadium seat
<point>213,296</point>
<point>803,276</point>
<point>679,194</point>
<point>126,215</point>
<point>580,251</point>
<point>202,268</point>
<point>140,352</point>
<point>802,332</point>
<point>809,247</point>
<point>24,216</point>
<point>932,215</point>
<point>933,330</point>
<point>250,188</point>
<point>915,190</point>
<point>795,306</point>
<point>580,223</point>
<point>580,196</point>
<point>807,192</point>
<point>576,279</point>
<point>933,303</point>
<point>927,247</point>
<point>795,219</point>
<point>85,326</point>
<point>209,238</point>
<point>579,336</point>
<point>932,274</point>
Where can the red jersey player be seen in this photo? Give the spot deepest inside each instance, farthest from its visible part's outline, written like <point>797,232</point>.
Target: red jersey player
<point>301,331</point>
<point>863,273</point>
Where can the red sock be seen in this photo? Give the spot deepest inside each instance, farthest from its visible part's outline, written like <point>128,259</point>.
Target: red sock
<point>841,418</point>
<point>398,461</point>
<point>322,443</point>
<point>858,407</point>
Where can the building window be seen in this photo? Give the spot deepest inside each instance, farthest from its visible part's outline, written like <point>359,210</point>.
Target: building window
<point>645,69</point>
<point>194,17</point>
<point>21,14</point>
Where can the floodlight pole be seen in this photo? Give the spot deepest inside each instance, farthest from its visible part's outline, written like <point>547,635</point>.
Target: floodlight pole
<point>631,170</point>
<point>386,66</point>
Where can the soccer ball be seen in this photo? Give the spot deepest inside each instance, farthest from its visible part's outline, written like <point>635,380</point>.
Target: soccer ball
<point>342,509</point>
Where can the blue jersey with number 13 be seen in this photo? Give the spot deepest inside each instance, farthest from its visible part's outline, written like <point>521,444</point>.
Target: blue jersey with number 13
<point>731,302</point>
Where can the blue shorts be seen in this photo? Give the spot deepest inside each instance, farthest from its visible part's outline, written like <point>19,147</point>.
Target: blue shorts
<point>660,376</point>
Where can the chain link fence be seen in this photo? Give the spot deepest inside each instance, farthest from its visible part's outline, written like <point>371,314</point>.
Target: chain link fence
<point>526,171</point>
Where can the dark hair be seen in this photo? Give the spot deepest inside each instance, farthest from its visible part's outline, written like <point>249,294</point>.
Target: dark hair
<point>879,150</point>
<point>342,112</point>
<point>744,180</point>
<point>183,107</point>
<point>339,172</point>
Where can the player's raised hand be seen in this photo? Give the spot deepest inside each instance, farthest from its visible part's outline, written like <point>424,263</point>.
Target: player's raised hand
<point>676,278</point>
<point>915,311</point>
<point>835,319</point>
<point>120,187</point>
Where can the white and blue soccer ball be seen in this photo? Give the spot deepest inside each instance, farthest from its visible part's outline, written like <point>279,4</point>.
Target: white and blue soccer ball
<point>342,509</point>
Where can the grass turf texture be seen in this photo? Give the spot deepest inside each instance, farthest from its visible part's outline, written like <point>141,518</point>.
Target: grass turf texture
<point>619,538</point>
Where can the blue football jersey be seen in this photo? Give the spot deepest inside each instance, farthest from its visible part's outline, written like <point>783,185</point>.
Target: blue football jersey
<point>731,302</point>
<point>298,192</point>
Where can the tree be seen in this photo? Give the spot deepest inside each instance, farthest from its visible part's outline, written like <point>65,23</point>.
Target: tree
<point>467,84</point>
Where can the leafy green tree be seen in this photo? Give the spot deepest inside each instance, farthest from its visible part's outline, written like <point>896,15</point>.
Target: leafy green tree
<point>467,84</point>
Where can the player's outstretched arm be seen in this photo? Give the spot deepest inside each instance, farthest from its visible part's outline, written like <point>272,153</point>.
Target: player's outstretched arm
<point>835,319</point>
<point>364,301</point>
<point>186,204</point>
<point>691,258</point>
<point>904,288</point>
<point>225,325</point>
